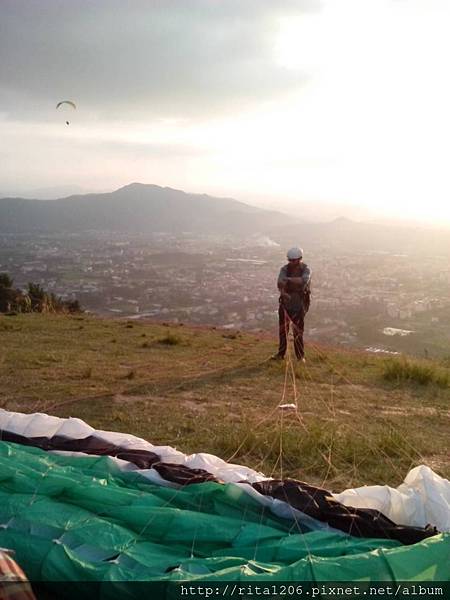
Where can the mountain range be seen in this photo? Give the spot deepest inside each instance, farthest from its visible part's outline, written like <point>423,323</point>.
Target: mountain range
<point>137,208</point>
<point>145,208</point>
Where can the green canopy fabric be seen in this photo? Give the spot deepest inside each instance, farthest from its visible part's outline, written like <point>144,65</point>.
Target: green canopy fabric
<point>79,518</point>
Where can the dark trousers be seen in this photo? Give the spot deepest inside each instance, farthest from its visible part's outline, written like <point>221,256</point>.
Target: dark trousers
<point>297,321</point>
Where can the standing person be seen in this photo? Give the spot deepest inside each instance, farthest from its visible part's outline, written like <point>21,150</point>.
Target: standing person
<point>294,286</point>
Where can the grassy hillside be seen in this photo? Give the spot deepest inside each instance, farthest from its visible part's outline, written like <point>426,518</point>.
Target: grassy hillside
<point>360,419</point>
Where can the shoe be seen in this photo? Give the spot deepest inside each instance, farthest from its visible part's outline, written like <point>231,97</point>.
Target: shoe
<point>277,357</point>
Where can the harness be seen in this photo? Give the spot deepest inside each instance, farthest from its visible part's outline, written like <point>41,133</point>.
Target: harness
<point>291,288</point>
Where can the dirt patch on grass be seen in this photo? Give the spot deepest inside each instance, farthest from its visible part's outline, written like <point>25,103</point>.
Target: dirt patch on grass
<point>194,406</point>
<point>125,398</point>
<point>416,411</point>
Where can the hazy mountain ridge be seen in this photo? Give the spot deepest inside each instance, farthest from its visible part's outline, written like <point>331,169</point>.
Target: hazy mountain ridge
<point>146,208</point>
<point>344,235</point>
<point>137,207</point>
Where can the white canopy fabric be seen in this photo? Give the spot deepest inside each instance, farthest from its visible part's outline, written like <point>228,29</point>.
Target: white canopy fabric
<point>423,498</point>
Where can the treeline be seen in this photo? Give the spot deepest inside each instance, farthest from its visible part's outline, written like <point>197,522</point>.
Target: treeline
<point>33,299</point>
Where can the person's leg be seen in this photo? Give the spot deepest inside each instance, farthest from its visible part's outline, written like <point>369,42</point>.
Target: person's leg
<point>298,324</point>
<point>283,323</point>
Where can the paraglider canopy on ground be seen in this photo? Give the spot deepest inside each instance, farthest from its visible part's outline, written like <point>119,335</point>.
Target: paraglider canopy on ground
<point>81,505</point>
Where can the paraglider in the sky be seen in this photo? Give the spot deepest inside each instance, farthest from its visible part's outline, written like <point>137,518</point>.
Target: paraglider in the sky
<point>70,103</point>
<point>66,102</point>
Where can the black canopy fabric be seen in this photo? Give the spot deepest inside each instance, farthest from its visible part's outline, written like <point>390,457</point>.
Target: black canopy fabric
<point>144,459</point>
<point>359,522</point>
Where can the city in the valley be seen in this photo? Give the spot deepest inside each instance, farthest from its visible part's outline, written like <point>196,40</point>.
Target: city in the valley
<point>372,299</point>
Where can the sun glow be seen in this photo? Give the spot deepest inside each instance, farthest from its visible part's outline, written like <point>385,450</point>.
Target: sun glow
<point>377,99</point>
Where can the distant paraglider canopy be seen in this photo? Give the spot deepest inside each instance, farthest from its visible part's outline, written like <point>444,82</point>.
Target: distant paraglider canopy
<point>70,103</point>
<point>66,102</point>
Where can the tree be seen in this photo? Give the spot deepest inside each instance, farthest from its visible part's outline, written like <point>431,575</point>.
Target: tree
<point>73,306</point>
<point>6,292</point>
<point>5,281</point>
<point>37,296</point>
<point>35,299</point>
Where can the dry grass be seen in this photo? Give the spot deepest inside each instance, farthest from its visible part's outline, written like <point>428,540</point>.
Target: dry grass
<point>213,392</point>
<point>415,371</point>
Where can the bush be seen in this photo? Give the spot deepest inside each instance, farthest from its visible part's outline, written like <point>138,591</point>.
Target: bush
<point>231,336</point>
<point>35,299</point>
<point>399,370</point>
<point>170,340</point>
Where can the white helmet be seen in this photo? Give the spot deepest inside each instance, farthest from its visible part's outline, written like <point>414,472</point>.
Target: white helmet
<point>294,253</point>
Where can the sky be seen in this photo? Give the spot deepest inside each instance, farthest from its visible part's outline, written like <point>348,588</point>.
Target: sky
<point>319,103</point>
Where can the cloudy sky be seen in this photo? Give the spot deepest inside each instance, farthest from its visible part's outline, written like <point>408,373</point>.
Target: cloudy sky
<point>319,101</point>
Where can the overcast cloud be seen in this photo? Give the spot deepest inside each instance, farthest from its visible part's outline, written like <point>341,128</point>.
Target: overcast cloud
<point>166,58</point>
